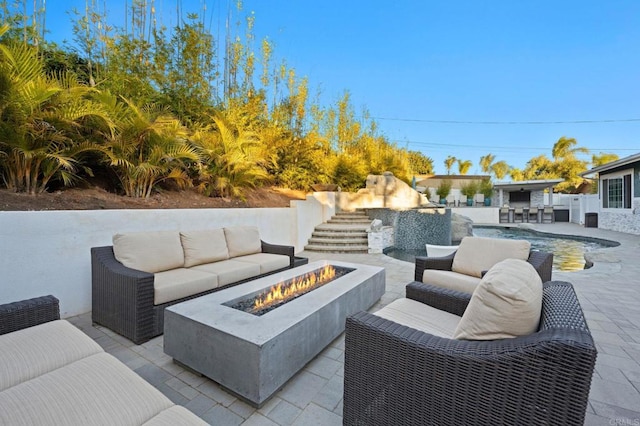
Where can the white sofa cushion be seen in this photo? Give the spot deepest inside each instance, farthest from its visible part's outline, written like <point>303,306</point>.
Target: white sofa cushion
<point>450,280</point>
<point>242,240</point>
<point>268,261</point>
<point>174,416</point>
<point>422,317</point>
<point>181,282</point>
<point>230,271</point>
<point>97,390</point>
<point>33,351</point>
<point>204,246</point>
<point>478,254</point>
<point>149,251</point>
<point>507,303</point>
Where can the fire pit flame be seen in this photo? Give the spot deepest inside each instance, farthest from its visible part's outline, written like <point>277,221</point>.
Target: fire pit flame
<point>281,291</point>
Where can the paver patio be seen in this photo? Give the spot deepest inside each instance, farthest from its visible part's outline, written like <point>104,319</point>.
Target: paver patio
<point>609,293</point>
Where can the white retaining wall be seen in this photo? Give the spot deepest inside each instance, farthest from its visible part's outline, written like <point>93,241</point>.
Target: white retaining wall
<point>48,252</point>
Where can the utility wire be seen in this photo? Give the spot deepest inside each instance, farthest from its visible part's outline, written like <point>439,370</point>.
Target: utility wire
<point>417,120</point>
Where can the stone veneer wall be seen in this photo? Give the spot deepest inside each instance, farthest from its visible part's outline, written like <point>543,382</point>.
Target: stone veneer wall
<point>380,239</point>
<point>413,228</point>
<point>621,222</point>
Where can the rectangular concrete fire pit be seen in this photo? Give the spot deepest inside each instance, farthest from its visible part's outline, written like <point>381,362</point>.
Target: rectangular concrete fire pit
<point>254,356</point>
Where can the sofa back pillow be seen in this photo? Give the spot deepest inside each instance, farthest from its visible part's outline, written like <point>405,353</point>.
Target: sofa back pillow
<point>149,251</point>
<point>506,304</point>
<point>204,246</point>
<point>477,254</point>
<point>242,240</point>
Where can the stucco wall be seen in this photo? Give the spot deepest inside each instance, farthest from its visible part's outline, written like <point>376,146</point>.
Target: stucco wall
<point>48,252</point>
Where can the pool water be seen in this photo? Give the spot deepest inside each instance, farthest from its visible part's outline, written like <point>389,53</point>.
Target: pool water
<point>568,252</point>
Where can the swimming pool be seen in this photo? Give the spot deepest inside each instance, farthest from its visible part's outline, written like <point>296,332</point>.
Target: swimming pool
<point>568,251</point>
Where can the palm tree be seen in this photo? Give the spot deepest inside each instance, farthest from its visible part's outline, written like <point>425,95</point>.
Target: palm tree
<point>148,146</point>
<point>486,162</point>
<point>448,163</point>
<point>41,121</point>
<point>232,159</point>
<point>464,166</point>
<point>500,169</point>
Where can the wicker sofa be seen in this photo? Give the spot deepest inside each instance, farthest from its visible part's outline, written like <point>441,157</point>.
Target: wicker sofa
<point>400,375</point>
<point>143,273</point>
<point>462,270</point>
<point>54,374</point>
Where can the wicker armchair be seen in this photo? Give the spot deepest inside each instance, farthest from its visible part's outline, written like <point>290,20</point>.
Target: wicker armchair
<point>28,313</point>
<point>541,261</point>
<point>396,375</point>
<point>122,298</point>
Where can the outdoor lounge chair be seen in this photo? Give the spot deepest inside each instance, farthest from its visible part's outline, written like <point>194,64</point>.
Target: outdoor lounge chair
<point>398,375</point>
<point>518,213</point>
<point>504,214</point>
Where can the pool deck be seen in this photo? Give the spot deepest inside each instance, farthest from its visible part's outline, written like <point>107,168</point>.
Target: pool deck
<point>609,293</point>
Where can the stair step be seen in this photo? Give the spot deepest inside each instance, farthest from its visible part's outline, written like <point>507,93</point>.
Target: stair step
<point>338,242</point>
<point>349,221</point>
<point>342,227</point>
<point>351,214</point>
<point>337,249</point>
<point>333,235</point>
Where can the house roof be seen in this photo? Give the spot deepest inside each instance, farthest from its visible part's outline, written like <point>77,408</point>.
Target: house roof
<point>529,185</point>
<point>613,165</point>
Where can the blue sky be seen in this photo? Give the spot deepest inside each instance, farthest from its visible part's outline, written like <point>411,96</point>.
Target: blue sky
<point>434,72</point>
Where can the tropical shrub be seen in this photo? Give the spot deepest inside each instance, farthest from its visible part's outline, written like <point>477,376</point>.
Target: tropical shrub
<point>231,159</point>
<point>40,118</point>
<point>148,146</point>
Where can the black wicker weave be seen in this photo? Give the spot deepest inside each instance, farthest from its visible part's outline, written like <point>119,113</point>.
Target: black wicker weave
<point>396,375</point>
<point>27,313</point>
<point>540,260</point>
<point>122,298</point>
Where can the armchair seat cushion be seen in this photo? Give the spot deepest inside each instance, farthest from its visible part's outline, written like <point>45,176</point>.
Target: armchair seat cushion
<point>181,282</point>
<point>268,262</point>
<point>421,317</point>
<point>230,271</point>
<point>23,358</point>
<point>451,280</point>
<point>476,254</point>
<point>507,303</point>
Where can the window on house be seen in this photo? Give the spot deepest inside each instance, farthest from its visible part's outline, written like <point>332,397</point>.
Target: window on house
<point>616,192</point>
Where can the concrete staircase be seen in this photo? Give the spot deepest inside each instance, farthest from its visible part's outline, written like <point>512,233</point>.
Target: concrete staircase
<point>343,233</point>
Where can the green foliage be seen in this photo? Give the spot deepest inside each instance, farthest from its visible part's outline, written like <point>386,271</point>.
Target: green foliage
<point>41,117</point>
<point>443,189</point>
<point>350,173</point>
<point>449,162</point>
<point>486,188</point>
<point>500,169</point>
<point>603,158</point>
<point>469,189</point>
<point>486,163</point>
<point>149,146</point>
<point>232,159</point>
<point>464,166</point>
<point>419,163</point>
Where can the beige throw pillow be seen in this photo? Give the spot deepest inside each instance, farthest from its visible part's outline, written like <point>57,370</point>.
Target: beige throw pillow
<point>242,240</point>
<point>506,303</point>
<point>204,246</point>
<point>478,254</point>
<point>149,251</point>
